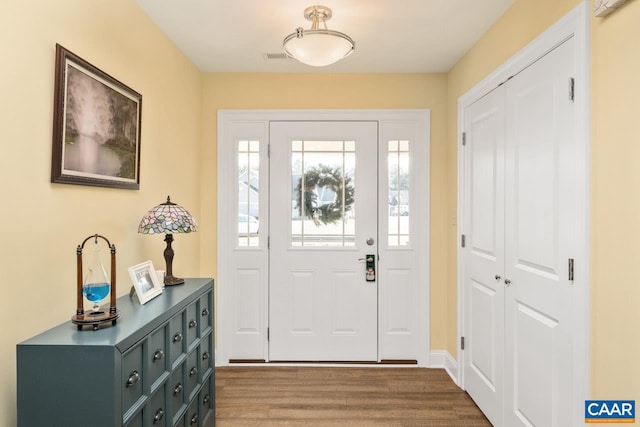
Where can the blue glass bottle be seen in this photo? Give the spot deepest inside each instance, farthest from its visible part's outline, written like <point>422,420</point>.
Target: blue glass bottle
<point>95,286</point>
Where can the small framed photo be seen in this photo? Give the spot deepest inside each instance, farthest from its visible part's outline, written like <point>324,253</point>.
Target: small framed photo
<point>145,281</point>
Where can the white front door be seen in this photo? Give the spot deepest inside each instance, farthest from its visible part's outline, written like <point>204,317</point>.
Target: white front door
<point>323,230</point>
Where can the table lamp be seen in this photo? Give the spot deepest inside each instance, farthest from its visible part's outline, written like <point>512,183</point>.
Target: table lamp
<point>168,218</point>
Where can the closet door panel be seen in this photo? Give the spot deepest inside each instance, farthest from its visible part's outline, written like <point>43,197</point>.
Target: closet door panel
<point>484,252</point>
<point>539,234</point>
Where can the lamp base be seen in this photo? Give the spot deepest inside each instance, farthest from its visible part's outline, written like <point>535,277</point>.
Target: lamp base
<point>171,281</point>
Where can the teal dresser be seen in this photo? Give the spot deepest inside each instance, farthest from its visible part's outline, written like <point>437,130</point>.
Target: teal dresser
<point>154,368</point>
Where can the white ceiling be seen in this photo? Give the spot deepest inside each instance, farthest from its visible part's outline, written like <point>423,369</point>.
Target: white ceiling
<point>391,36</point>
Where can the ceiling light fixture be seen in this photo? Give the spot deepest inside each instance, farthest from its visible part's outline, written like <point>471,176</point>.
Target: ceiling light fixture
<point>318,47</point>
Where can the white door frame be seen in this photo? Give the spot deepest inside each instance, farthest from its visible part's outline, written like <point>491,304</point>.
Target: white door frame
<point>259,120</point>
<point>574,24</point>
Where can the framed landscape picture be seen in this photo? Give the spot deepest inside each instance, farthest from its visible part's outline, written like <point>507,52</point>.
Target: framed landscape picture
<point>96,126</point>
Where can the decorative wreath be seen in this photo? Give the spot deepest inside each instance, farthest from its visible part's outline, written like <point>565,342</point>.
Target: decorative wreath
<point>331,178</point>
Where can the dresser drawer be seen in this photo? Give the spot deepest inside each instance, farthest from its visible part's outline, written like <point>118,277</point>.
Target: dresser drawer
<point>192,419</point>
<point>132,379</point>
<point>206,401</point>
<point>192,324</point>
<point>206,356</point>
<point>176,394</point>
<point>205,311</point>
<point>157,356</point>
<point>155,411</point>
<point>192,376</point>
<point>176,338</point>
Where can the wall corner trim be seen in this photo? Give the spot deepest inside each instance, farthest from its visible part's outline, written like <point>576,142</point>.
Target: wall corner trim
<point>442,359</point>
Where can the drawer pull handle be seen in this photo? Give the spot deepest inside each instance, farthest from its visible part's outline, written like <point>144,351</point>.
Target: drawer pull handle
<point>205,355</point>
<point>194,419</point>
<point>177,389</point>
<point>159,354</point>
<point>206,400</point>
<point>193,371</point>
<point>134,377</point>
<point>177,337</point>
<point>158,416</point>
<point>193,324</point>
<point>205,312</point>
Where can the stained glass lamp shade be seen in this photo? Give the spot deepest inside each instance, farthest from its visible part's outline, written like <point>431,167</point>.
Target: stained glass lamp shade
<point>168,218</point>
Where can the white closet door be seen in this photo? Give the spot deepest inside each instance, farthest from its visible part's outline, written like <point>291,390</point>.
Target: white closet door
<point>484,252</point>
<point>540,214</point>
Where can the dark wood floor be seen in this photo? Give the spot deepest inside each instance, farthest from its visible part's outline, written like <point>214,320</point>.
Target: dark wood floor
<point>341,396</point>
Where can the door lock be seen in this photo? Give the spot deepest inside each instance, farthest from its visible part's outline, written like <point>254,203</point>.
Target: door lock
<point>369,267</point>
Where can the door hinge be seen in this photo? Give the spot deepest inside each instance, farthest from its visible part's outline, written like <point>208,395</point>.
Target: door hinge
<point>464,138</point>
<point>463,241</point>
<point>571,269</point>
<point>268,242</point>
<point>461,343</point>
<point>572,85</point>
<point>267,334</point>
<point>269,150</point>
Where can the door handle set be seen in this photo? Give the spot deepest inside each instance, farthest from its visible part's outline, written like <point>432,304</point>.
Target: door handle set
<point>369,267</point>
<point>506,281</point>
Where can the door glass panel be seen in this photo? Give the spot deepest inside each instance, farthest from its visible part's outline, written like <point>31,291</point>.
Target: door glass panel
<point>398,212</point>
<point>323,197</point>
<point>248,193</point>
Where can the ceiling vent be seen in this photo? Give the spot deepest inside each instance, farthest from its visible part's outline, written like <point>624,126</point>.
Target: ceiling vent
<point>272,56</point>
<point>603,8</point>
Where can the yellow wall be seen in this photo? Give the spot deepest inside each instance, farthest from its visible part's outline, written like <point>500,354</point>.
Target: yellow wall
<point>615,205</point>
<point>42,223</point>
<point>334,91</point>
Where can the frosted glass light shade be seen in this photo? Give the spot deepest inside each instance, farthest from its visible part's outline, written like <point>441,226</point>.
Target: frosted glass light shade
<point>318,48</point>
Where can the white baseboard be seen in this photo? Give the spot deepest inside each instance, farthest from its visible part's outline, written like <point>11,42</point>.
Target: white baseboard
<point>442,359</point>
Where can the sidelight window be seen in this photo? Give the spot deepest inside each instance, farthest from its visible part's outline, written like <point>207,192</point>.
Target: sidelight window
<point>248,193</point>
<point>398,212</point>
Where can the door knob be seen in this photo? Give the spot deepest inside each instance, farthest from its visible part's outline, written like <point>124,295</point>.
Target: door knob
<point>370,241</point>
<point>498,277</point>
<point>507,282</point>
